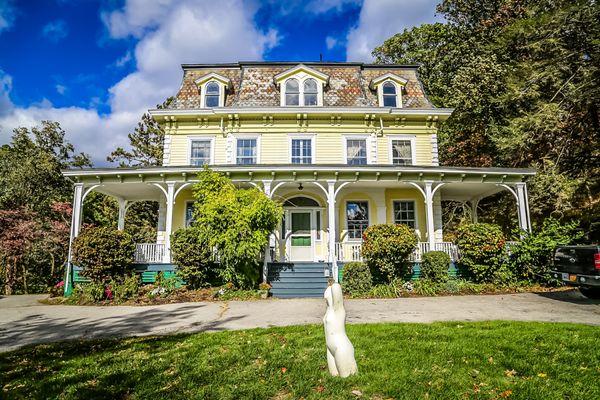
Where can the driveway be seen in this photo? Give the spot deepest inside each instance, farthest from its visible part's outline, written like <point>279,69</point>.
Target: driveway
<point>25,321</point>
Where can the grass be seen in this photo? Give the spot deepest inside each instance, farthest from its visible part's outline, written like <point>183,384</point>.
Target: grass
<point>483,360</point>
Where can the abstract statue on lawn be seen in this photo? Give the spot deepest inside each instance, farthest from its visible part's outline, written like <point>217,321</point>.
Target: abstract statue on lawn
<point>340,352</point>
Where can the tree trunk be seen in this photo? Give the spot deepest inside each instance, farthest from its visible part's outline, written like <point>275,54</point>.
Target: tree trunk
<point>9,278</point>
<point>24,269</point>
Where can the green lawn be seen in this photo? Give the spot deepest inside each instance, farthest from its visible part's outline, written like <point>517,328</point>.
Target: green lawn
<point>484,360</point>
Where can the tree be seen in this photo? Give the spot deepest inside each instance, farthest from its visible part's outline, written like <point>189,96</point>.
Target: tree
<point>235,222</point>
<point>146,143</point>
<point>524,78</point>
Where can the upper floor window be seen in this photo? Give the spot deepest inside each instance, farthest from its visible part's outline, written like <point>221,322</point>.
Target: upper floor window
<point>292,92</point>
<point>390,97</point>
<point>301,151</point>
<point>200,150</point>
<point>357,218</point>
<point>212,95</point>
<point>404,213</point>
<point>310,92</point>
<point>247,152</point>
<point>402,152</point>
<point>356,151</point>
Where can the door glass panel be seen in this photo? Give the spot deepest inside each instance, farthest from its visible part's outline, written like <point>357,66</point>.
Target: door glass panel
<point>300,222</point>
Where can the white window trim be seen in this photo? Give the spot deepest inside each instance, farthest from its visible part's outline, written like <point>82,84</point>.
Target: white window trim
<point>348,238</point>
<point>210,139</point>
<point>301,77</point>
<point>417,219</point>
<point>248,136</point>
<point>221,93</point>
<point>310,136</point>
<point>398,93</point>
<point>366,138</point>
<point>413,147</point>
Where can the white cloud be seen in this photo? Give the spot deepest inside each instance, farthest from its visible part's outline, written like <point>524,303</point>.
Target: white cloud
<point>121,62</point>
<point>7,15</point>
<point>55,30</point>
<point>380,19</point>
<point>169,33</point>
<point>331,42</point>
<point>323,6</point>
<point>60,89</point>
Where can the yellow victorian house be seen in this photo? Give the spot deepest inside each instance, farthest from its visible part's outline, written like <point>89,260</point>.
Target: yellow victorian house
<point>341,145</point>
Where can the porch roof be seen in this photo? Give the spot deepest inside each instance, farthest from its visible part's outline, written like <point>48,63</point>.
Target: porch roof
<point>460,183</point>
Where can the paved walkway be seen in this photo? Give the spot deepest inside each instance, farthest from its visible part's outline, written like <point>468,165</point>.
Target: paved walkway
<point>24,321</point>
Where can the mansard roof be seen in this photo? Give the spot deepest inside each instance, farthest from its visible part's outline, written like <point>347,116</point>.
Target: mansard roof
<point>253,84</point>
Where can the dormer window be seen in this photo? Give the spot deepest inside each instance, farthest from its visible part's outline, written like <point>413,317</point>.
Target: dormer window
<point>390,97</point>
<point>301,86</point>
<point>292,92</point>
<point>389,90</point>
<point>212,95</point>
<point>212,90</point>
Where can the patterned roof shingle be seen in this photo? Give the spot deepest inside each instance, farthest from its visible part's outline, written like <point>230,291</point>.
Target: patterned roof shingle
<point>253,85</point>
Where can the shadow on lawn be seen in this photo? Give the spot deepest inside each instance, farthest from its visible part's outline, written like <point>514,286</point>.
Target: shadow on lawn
<point>570,296</point>
<point>35,329</point>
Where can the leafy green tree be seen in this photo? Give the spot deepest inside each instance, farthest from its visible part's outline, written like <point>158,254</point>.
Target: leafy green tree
<point>524,78</point>
<point>235,222</point>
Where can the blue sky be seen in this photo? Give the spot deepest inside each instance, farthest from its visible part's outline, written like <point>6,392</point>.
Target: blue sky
<point>96,66</point>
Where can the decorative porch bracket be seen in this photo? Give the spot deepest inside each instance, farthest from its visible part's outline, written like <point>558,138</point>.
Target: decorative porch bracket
<point>520,195</point>
<point>428,194</point>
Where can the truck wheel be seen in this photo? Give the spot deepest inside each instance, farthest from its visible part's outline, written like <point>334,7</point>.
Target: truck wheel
<point>590,293</point>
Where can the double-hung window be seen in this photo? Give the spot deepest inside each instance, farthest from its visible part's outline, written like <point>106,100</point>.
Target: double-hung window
<point>401,152</point>
<point>390,97</point>
<point>247,151</point>
<point>404,213</point>
<point>357,218</point>
<point>212,95</point>
<point>301,151</point>
<point>200,152</point>
<point>356,151</point>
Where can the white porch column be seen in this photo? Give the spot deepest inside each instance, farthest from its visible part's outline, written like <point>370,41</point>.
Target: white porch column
<point>429,214</point>
<point>169,220</point>
<point>523,207</point>
<point>267,258</point>
<point>332,227</point>
<point>75,227</point>
<point>122,212</point>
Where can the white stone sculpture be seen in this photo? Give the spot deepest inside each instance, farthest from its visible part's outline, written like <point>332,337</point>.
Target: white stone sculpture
<point>340,352</point>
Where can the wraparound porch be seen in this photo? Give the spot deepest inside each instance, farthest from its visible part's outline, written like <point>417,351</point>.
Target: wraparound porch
<point>344,200</point>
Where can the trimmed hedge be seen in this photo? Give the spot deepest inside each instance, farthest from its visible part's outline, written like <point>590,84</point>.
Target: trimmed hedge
<point>386,248</point>
<point>356,278</point>
<point>103,253</point>
<point>434,266</point>
<point>482,253</point>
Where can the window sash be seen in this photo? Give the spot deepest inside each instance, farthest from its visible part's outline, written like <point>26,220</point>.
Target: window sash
<point>246,151</point>
<point>211,100</point>
<point>356,151</point>
<point>404,213</point>
<point>301,151</point>
<point>310,99</point>
<point>200,152</point>
<point>402,152</point>
<point>357,218</point>
<point>390,100</point>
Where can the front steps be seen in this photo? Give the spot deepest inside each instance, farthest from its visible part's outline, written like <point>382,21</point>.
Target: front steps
<point>298,279</point>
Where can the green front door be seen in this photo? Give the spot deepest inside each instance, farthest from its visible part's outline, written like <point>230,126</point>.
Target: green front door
<point>301,237</point>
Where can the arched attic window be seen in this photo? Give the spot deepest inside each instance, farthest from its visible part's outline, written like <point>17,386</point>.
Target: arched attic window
<point>213,92</point>
<point>390,95</point>
<point>292,92</point>
<point>310,92</point>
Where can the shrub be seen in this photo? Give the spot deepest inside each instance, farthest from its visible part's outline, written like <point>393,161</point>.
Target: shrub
<point>434,266</point>
<point>531,257</point>
<point>126,288</point>
<point>193,258</point>
<point>357,278</point>
<point>103,252</point>
<point>482,252</point>
<point>91,292</point>
<point>393,289</point>
<point>386,249</point>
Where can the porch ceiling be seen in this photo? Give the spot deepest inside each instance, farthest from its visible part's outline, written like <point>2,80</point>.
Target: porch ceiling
<point>132,191</point>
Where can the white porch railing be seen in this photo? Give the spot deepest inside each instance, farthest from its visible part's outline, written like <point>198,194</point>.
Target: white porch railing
<point>351,251</point>
<point>149,253</point>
